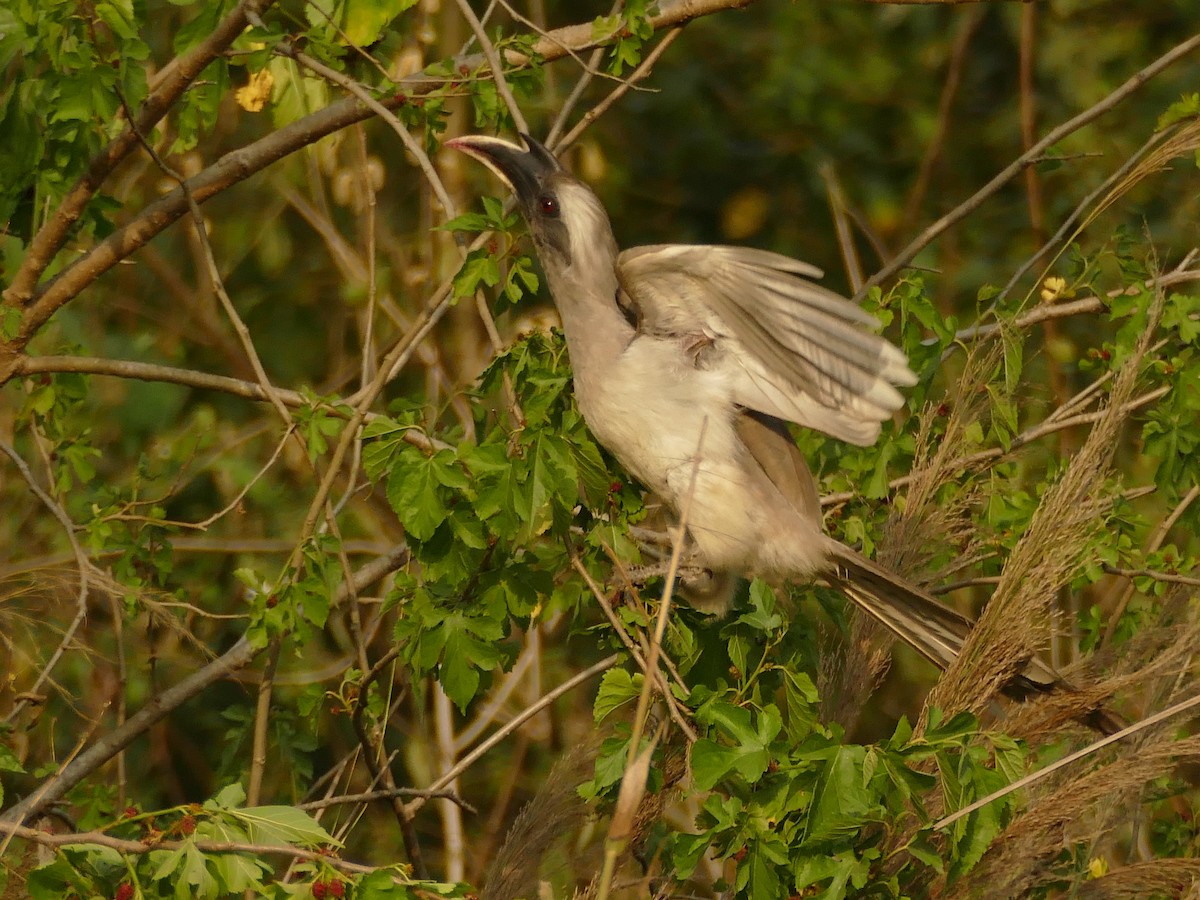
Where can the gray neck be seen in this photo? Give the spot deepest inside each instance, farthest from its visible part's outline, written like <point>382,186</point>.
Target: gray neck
<point>581,268</point>
<point>596,330</point>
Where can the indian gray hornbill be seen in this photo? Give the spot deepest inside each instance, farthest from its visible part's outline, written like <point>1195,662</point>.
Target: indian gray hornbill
<point>689,360</point>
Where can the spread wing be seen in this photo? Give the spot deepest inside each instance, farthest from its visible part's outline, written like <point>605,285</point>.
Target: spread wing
<point>792,348</point>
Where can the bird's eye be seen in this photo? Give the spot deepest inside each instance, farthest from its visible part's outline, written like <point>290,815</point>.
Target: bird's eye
<point>548,206</point>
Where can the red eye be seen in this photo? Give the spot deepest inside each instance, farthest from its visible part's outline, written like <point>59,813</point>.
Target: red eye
<point>548,205</point>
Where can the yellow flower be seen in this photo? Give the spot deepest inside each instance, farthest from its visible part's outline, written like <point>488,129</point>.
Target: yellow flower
<point>254,96</point>
<point>1055,288</point>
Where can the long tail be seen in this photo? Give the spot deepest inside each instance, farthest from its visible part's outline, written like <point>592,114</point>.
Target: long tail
<point>935,630</point>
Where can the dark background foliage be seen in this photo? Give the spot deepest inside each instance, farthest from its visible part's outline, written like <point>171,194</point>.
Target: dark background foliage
<point>352,585</point>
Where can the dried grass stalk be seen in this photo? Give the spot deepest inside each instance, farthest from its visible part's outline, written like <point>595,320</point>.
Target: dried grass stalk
<point>1021,857</point>
<point>925,521</point>
<point>1157,878</point>
<point>1012,626</point>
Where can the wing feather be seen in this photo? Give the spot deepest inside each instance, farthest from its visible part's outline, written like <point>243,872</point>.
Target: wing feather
<point>793,349</point>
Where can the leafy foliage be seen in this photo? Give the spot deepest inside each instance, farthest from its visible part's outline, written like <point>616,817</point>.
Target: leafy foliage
<point>273,564</point>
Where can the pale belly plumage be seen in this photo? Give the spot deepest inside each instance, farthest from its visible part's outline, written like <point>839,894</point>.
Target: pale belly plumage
<point>672,426</point>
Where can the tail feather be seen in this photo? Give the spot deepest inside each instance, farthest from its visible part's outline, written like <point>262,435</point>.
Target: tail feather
<point>930,627</point>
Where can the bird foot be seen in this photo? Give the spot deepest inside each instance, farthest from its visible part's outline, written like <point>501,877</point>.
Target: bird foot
<point>642,574</point>
<point>694,344</point>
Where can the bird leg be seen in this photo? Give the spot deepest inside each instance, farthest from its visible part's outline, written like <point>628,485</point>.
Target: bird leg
<point>694,343</point>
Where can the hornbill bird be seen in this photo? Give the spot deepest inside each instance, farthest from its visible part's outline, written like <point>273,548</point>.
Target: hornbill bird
<point>688,362</point>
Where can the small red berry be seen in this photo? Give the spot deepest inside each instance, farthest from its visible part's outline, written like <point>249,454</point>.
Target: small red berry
<point>337,889</point>
<point>187,825</point>
<point>130,812</point>
<point>124,892</point>
<point>318,890</point>
<point>614,487</point>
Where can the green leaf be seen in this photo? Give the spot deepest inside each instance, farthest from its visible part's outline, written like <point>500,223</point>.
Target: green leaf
<point>283,826</point>
<point>617,687</point>
<point>480,267</point>
<point>841,802</point>
<point>1186,107</point>
<point>749,757</point>
<point>763,881</point>
<point>363,21</point>
<point>711,762</point>
<point>469,645</point>
<point>415,490</point>
<point>471,221</point>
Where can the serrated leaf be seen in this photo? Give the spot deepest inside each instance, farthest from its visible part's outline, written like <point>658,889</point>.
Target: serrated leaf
<point>841,802</point>
<point>283,826</point>
<point>617,687</point>
<point>414,491</point>
<point>480,267</point>
<point>464,654</point>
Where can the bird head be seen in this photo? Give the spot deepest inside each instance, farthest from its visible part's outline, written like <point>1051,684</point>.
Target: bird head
<point>566,220</point>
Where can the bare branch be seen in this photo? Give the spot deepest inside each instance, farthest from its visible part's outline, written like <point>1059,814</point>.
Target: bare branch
<point>517,721</point>
<point>240,164</point>
<point>173,82</point>
<point>166,701</point>
<point>1032,155</point>
<point>82,562</point>
<point>100,839</point>
<point>493,58</point>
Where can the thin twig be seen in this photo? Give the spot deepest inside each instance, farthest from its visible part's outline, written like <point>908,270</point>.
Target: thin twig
<point>1025,437</point>
<point>1162,716</point>
<point>493,58</point>
<point>841,226</point>
<point>82,563</point>
<point>454,843</point>
<point>1155,541</point>
<point>166,701</point>
<point>641,72</point>
<point>368,796</point>
<point>100,839</point>
<point>1166,577</point>
<point>214,274</point>
<point>517,721</point>
<point>933,151</point>
<point>262,722</point>
<point>905,256</point>
<point>380,767</point>
<point>410,143</point>
<point>637,655</point>
<point>165,92</point>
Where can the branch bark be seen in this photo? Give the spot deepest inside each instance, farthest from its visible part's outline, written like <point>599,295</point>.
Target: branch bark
<point>173,81</point>
<point>236,657</point>
<point>1028,158</point>
<point>237,165</point>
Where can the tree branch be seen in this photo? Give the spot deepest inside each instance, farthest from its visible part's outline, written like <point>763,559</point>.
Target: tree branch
<point>240,164</point>
<point>159,706</point>
<point>174,80</point>
<point>1029,157</point>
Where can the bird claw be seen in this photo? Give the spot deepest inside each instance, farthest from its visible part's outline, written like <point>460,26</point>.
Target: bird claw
<point>685,571</point>
<point>694,343</point>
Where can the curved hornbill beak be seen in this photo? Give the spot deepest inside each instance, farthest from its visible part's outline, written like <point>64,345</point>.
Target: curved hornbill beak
<point>523,169</point>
